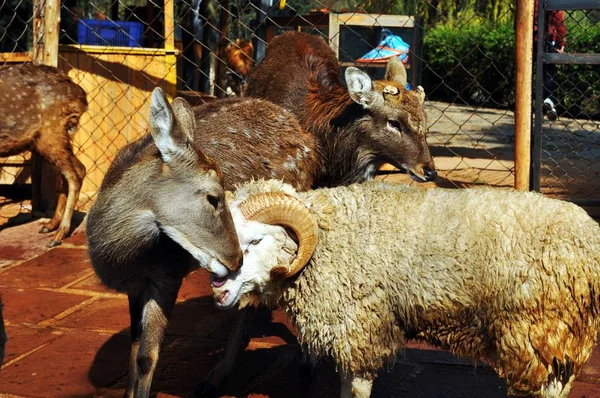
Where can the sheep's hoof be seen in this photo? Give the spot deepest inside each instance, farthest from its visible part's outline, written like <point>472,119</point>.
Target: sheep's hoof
<point>53,243</point>
<point>205,389</point>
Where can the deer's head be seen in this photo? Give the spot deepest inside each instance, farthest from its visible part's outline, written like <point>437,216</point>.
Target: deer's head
<point>188,200</point>
<point>394,125</point>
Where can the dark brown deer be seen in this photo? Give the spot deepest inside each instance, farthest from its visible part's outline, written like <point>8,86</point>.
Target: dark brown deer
<point>40,109</point>
<point>161,204</point>
<point>360,127</point>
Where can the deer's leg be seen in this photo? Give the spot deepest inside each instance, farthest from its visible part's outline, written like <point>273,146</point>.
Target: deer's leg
<point>59,153</point>
<point>157,304</point>
<point>232,351</point>
<point>136,309</point>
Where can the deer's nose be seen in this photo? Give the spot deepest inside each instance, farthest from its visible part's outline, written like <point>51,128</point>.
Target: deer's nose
<point>430,174</point>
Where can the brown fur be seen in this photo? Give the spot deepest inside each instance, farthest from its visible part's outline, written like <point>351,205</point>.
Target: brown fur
<point>301,73</point>
<point>41,108</point>
<point>253,138</point>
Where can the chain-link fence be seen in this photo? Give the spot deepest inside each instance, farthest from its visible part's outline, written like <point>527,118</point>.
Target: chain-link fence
<point>567,132</point>
<point>461,52</point>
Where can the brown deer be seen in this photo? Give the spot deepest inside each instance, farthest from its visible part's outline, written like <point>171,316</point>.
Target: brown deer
<point>161,204</point>
<point>360,127</point>
<point>41,108</point>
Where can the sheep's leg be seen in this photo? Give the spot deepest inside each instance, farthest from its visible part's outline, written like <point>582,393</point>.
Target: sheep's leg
<point>60,155</point>
<point>356,386</point>
<point>232,351</point>
<point>149,314</point>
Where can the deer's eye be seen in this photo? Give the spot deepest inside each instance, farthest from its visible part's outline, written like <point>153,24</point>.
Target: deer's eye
<point>393,124</point>
<point>213,201</point>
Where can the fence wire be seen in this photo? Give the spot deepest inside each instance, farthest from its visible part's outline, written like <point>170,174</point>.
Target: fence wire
<point>462,53</point>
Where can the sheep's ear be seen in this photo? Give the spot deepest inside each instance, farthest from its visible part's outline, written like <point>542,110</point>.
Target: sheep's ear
<point>279,271</point>
<point>360,87</point>
<point>395,71</point>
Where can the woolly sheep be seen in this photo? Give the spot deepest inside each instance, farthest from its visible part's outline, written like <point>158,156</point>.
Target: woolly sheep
<point>510,278</point>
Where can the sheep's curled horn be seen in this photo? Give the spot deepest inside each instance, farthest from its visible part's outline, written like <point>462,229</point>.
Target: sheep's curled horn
<point>277,208</point>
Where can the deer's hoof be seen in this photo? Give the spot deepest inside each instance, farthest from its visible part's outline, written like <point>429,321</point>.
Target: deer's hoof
<point>44,229</point>
<point>53,243</point>
<point>205,389</point>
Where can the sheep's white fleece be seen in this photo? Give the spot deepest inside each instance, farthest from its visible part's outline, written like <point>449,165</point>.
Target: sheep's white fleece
<point>508,277</point>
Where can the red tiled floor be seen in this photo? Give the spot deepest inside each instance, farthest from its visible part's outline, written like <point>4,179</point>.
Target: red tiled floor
<point>75,356</point>
<point>110,315</point>
<point>93,283</point>
<point>32,306</point>
<point>23,339</point>
<point>54,268</point>
<point>196,284</point>
<point>74,365</point>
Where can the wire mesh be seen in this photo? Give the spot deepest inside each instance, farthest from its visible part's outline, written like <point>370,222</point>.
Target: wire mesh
<point>462,53</point>
<point>571,103</point>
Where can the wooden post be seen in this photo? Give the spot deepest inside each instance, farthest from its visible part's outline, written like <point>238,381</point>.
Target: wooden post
<point>524,54</point>
<point>170,58</point>
<point>46,28</point>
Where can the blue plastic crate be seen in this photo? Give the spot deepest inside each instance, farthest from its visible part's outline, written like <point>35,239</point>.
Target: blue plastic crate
<point>110,33</point>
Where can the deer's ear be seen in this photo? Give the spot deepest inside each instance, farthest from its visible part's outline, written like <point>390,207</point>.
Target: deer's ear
<point>396,72</point>
<point>162,128</point>
<point>360,87</point>
<point>186,120</point>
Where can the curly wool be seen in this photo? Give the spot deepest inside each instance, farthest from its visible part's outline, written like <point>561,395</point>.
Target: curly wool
<point>503,276</point>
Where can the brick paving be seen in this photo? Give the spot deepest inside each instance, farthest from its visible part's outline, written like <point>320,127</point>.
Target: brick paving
<point>68,337</point>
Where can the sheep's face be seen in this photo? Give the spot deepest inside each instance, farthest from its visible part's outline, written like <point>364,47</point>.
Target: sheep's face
<point>264,246</point>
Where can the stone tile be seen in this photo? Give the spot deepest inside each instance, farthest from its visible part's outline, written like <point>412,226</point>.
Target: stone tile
<point>31,306</point>
<point>196,284</point>
<point>22,340</point>
<point>591,370</point>
<point>200,317</point>
<point>76,239</point>
<point>22,242</point>
<point>109,315</point>
<point>75,365</point>
<point>583,389</point>
<point>54,268</point>
<point>450,382</point>
<point>92,283</point>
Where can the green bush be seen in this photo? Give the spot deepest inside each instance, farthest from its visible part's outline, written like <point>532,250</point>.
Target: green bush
<point>472,64</point>
<point>475,64</point>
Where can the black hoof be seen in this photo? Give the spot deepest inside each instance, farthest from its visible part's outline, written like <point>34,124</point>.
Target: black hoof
<point>53,243</point>
<point>205,389</point>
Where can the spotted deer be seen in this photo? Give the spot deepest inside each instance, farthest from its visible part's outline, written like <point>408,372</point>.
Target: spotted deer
<point>41,107</point>
<point>360,127</point>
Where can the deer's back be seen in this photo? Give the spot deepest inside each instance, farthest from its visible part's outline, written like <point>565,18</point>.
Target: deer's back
<point>36,99</point>
<point>253,138</point>
<point>295,64</point>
